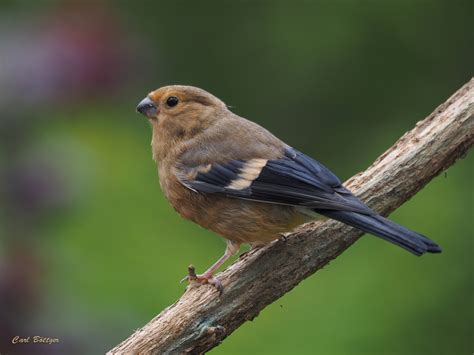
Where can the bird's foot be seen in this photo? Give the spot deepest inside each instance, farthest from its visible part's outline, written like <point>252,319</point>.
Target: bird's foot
<point>198,280</point>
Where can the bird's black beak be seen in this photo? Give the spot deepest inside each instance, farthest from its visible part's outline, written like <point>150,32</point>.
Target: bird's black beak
<point>147,108</point>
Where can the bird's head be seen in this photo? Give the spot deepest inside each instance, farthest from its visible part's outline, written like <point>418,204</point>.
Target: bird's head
<point>179,113</point>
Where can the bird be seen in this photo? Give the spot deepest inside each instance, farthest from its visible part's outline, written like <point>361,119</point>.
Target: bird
<point>235,178</point>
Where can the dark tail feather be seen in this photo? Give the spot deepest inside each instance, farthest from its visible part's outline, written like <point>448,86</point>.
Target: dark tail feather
<point>377,225</point>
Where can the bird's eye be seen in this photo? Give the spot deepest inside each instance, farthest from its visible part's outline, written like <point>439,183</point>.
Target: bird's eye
<point>172,101</point>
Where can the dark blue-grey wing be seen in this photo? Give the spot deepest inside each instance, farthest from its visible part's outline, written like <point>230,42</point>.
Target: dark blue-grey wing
<point>294,179</point>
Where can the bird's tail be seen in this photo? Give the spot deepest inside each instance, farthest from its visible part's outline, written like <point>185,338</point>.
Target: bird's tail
<point>377,225</point>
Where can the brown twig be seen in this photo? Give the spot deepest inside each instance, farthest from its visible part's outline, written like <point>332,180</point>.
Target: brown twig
<point>201,319</point>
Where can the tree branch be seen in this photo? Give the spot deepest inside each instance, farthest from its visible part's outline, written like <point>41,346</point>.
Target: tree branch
<point>201,319</point>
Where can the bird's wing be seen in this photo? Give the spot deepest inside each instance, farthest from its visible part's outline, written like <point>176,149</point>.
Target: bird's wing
<point>294,179</point>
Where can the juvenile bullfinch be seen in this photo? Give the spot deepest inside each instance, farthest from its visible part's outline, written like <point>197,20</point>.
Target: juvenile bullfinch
<point>234,177</point>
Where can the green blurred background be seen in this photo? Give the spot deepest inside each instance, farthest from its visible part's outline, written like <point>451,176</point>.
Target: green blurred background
<point>90,250</point>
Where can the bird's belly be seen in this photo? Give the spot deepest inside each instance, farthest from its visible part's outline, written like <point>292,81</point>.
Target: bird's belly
<point>242,221</point>
<point>254,222</point>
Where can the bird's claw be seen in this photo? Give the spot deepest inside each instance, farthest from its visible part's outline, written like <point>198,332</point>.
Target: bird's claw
<point>198,280</point>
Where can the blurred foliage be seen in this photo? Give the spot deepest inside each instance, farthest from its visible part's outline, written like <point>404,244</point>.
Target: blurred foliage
<point>339,80</point>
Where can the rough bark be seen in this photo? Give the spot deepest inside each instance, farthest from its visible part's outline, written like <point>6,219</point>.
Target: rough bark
<point>200,319</point>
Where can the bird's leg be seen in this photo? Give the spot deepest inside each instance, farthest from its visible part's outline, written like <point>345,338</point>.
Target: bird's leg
<point>231,249</point>
<point>208,276</point>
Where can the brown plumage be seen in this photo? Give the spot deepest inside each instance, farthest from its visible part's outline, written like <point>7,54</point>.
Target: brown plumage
<point>235,178</point>
<point>197,134</point>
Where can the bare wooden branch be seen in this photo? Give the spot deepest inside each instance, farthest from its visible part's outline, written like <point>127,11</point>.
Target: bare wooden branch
<point>201,319</point>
